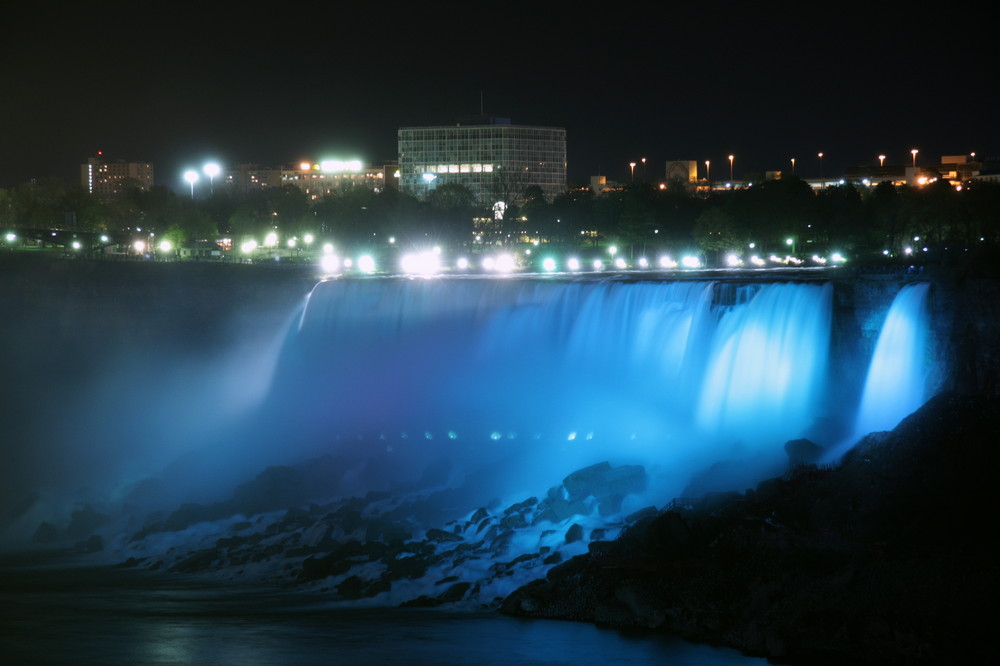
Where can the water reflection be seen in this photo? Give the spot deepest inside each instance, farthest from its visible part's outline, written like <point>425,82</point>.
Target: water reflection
<point>99,615</point>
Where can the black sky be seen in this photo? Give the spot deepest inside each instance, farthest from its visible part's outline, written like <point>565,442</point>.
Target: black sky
<point>766,83</point>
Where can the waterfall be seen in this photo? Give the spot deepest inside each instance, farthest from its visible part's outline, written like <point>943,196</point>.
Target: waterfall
<point>896,382</point>
<point>645,369</point>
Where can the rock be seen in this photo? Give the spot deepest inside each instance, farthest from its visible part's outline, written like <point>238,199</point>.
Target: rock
<point>636,516</point>
<point>442,536</point>
<point>46,533</point>
<point>84,521</point>
<point>513,521</point>
<point>574,533</point>
<point>584,482</point>
<point>802,452</point>
<point>621,481</point>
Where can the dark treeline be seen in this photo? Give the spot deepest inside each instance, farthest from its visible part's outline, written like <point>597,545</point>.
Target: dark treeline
<point>778,216</point>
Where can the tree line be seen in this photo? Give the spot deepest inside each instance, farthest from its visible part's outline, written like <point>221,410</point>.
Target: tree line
<point>639,219</point>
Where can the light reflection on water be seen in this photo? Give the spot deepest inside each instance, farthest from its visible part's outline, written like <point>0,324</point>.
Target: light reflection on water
<point>99,615</point>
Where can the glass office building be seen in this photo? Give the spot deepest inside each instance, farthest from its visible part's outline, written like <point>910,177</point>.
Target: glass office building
<point>493,158</point>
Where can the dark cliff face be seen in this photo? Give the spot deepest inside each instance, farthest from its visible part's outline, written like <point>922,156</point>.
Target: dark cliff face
<point>881,560</point>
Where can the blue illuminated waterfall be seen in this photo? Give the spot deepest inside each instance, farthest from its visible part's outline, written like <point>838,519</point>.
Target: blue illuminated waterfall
<point>897,376</point>
<point>675,372</point>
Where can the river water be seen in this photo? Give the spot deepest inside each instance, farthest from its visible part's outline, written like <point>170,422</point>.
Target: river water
<point>60,612</point>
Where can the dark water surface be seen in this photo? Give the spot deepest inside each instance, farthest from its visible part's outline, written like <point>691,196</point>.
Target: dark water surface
<point>55,613</point>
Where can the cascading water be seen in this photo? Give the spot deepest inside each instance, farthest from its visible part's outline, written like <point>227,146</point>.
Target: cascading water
<point>561,373</point>
<point>897,377</point>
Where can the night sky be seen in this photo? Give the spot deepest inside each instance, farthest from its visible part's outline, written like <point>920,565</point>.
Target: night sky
<point>664,82</point>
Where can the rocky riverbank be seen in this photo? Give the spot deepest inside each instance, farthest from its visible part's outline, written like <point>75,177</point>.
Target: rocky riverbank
<point>883,559</point>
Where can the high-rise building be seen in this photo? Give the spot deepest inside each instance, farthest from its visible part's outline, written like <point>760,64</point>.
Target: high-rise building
<point>109,179</point>
<point>494,159</point>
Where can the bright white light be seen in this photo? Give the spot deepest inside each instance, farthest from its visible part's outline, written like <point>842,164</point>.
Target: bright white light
<point>733,261</point>
<point>549,264</point>
<point>249,246</point>
<point>818,259</point>
<point>366,264</point>
<point>338,166</point>
<point>757,261</point>
<point>191,177</point>
<point>166,246</point>
<point>573,264</point>
<point>421,263</point>
<point>10,238</point>
<point>620,263</point>
<point>643,262</point>
<point>348,262</point>
<point>140,246</point>
<point>76,245</point>
<point>104,238</point>
<point>327,248</point>
<point>308,238</point>
<point>271,239</point>
<point>505,263</point>
<point>330,263</point>
<point>907,250</point>
<point>598,265</point>
<point>691,261</point>
<point>667,262</point>
<point>211,169</point>
<point>489,263</point>
<point>838,257</point>
<point>291,242</point>
<point>462,264</point>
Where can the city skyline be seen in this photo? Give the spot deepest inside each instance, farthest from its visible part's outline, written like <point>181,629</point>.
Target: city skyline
<point>763,87</point>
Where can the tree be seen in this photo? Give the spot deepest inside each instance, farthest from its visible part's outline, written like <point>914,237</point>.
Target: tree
<point>716,231</point>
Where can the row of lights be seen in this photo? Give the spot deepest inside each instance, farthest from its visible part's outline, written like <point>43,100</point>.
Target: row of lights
<point>429,262</point>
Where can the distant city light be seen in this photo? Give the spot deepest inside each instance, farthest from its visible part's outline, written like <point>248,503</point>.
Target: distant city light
<point>330,263</point>
<point>366,264</point>
<point>421,263</point>
<point>340,166</point>
<point>691,261</point>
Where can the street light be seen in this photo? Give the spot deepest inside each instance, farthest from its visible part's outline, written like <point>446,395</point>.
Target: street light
<point>881,161</point>
<point>820,155</point>
<point>730,168</point>
<point>211,170</point>
<point>631,165</point>
<point>914,153</point>
<point>643,160</point>
<point>793,166</point>
<point>708,173</point>
<point>191,177</point>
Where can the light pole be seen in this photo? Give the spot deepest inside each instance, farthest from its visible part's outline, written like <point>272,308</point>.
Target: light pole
<point>881,161</point>
<point>730,168</point>
<point>211,170</point>
<point>708,174</point>
<point>643,160</point>
<point>793,166</point>
<point>191,177</point>
<point>914,154</point>
<point>631,165</point>
<point>820,155</point>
